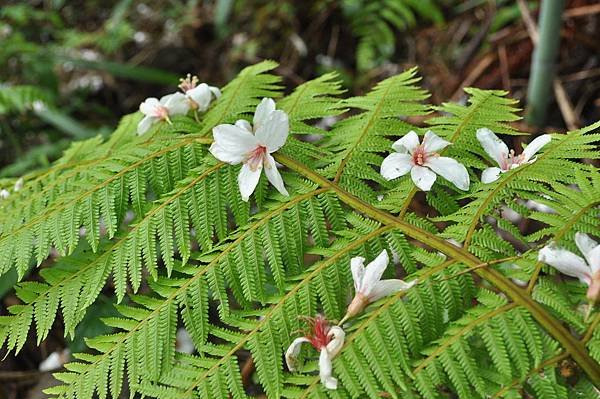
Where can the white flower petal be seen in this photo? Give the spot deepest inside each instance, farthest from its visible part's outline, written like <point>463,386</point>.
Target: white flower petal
<point>533,147</point>
<point>201,95</point>
<point>387,287</point>
<point>247,180</point>
<point>215,91</point>
<point>408,143</point>
<point>396,165</point>
<point>263,110</point>
<point>244,124</point>
<point>585,245</point>
<point>291,354</point>
<point>422,177</point>
<point>145,124</point>
<point>148,106</point>
<point>493,146</point>
<point>233,140</point>
<point>19,184</point>
<point>433,143</point>
<point>451,170</point>
<point>273,174</point>
<point>177,104</point>
<point>594,259</point>
<point>357,266</point>
<point>273,133</point>
<point>490,175</point>
<point>337,342</point>
<point>373,272</point>
<point>326,369</point>
<point>566,262</point>
<point>4,194</point>
<point>232,158</point>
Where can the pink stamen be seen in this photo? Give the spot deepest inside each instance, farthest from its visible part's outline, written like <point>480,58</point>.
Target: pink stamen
<point>510,160</point>
<point>419,155</point>
<point>188,83</point>
<point>256,157</point>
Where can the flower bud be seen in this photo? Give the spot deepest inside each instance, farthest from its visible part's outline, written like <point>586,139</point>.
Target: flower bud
<point>593,292</point>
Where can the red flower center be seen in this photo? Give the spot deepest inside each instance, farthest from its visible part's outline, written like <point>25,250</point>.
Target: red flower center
<point>319,332</point>
<point>255,157</point>
<point>419,156</point>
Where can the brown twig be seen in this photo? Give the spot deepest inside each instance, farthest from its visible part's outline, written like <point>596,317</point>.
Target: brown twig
<point>583,11</point>
<point>247,371</point>
<point>566,107</point>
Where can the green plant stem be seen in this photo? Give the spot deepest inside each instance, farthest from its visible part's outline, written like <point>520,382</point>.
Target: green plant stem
<point>543,64</point>
<point>517,295</point>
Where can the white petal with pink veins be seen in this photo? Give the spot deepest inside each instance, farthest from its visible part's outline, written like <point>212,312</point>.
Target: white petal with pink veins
<point>451,170</point>
<point>176,103</point>
<point>408,143</point>
<point>326,370</point>
<point>145,124</point>
<point>422,177</point>
<point>533,147</point>
<point>490,175</point>
<point>358,271</point>
<point>585,245</point>
<point>248,179</point>
<point>396,165</point>
<point>566,262</point>
<point>337,341</point>
<point>493,146</point>
<point>273,133</point>
<point>201,95</point>
<point>273,175</point>
<point>373,272</point>
<point>244,124</point>
<point>433,143</point>
<point>291,355</point>
<point>387,287</point>
<point>263,110</point>
<point>234,140</point>
<point>149,105</point>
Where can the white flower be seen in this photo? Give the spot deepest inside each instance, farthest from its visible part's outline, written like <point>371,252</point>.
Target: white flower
<point>160,110</point>
<point>586,270</point>
<point>19,184</point>
<point>368,286</point>
<point>423,162</point>
<point>55,360</point>
<point>327,340</point>
<point>4,193</point>
<point>253,146</point>
<point>198,95</point>
<point>506,159</point>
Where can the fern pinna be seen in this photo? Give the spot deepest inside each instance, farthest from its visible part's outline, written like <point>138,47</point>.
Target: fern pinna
<point>161,220</point>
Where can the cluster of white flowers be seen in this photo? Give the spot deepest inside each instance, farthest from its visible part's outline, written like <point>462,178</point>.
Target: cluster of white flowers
<point>253,145</point>
<point>423,161</point>
<point>4,193</point>
<point>195,97</point>
<point>368,287</point>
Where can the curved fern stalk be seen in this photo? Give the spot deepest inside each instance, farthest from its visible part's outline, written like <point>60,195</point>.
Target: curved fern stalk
<point>238,277</point>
